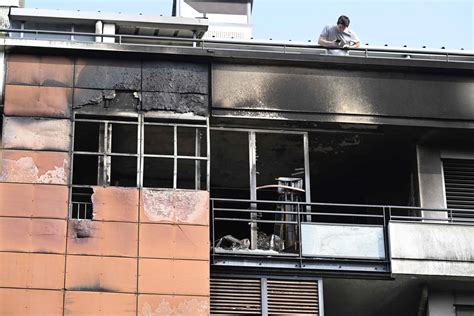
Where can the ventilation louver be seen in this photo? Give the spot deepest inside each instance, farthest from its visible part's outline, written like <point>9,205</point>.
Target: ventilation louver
<point>459,184</point>
<point>279,297</point>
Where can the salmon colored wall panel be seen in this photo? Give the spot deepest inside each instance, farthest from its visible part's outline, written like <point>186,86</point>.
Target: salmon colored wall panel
<point>99,303</point>
<point>35,200</point>
<point>117,204</point>
<point>20,302</point>
<point>91,273</point>
<point>38,101</point>
<point>35,167</point>
<point>53,71</point>
<point>36,134</point>
<point>174,241</point>
<point>102,238</point>
<point>33,235</point>
<point>27,270</point>
<point>184,277</point>
<point>166,206</point>
<point>157,305</point>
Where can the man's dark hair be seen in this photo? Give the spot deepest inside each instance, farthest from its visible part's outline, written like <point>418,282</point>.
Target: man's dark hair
<point>344,20</point>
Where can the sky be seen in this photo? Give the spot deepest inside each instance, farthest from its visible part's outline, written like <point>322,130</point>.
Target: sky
<point>415,23</point>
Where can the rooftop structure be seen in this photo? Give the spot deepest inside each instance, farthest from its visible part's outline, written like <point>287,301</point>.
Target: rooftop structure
<point>148,170</point>
<point>229,19</point>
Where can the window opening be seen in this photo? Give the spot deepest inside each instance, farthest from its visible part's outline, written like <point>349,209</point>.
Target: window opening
<point>132,152</point>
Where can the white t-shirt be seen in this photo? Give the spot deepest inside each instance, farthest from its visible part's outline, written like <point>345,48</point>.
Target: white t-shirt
<point>331,33</point>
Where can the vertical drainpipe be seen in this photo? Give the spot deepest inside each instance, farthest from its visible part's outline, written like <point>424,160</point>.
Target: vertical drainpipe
<point>98,30</point>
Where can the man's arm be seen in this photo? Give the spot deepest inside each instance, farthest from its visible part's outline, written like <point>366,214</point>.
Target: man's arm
<point>324,42</point>
<point>355,45</point>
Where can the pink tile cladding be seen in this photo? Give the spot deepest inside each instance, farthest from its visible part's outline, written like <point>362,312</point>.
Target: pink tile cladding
<point>102,238</point>
<point>38,101</point>
<point>175,206</point>
<point>117,204</point>
<point>33,235</point>
<point>35,167</point>
<point>36,134</point>
<point>36,70</point>
<point>157,305</point>
<point>22,302</point>
<point>33,200</point>
<point>99,303</point>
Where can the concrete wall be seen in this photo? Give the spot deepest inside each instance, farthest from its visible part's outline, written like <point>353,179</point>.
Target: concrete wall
<point>443,303</point>
<point>431,181</point>
<point>144,252</point>
<point>432,249</point>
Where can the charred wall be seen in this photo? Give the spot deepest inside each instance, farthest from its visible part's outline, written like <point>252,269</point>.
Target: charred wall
<point>372,93</point>
<point>144,251</point>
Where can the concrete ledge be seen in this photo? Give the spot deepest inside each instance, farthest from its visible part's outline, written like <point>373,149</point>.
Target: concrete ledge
<point>433,268</point>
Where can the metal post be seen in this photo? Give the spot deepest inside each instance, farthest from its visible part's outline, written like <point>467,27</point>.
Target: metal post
<point>253,187</point>
<point>264,296</point>
<point>197,163</point>
<point>307,175</point>
<point>213,223</point>
<point>175,159</point>
<point>101,162</point>
<point>208,153</point>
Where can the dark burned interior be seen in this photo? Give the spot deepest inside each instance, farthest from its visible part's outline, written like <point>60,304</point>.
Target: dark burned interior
<point>347,165</point>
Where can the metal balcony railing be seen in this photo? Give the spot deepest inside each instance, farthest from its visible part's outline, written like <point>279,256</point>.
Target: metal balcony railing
<point>306,233</point>
<point>264,46</point>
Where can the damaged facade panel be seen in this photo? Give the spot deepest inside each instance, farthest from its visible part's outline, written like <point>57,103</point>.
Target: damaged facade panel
<point>157,305</point>
<point>30,302</point>
<point>176,102</point>
<point>108,74</point>
<point>36,200</point>
<point>35,167</point>
<point>181,207</point>
<point>328,91</point>
<point>175,77</point>
<point>102,238</point>
<point>115,204</point>
<point>105,100</point>
<point>103,274</point>
<point>36,70</point>
<point>32,235</point>
<point>36,134</point>
<point>176,241</point>
<point>31,270</point>
<point>90,303</point>
<point>38,101</point>
<point>177,277</point>
<point>177,87</point>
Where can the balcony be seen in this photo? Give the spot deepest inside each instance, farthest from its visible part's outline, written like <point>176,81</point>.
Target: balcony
<point>341,237</point>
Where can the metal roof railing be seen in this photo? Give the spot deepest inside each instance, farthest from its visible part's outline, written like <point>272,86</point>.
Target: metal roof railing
<point>250,46</point>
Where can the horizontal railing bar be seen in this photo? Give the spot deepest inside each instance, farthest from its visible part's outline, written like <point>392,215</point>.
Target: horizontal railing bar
<point>388,207</point>
<point>283,46</point>
<point>222,219</point>
<point>216,209</point>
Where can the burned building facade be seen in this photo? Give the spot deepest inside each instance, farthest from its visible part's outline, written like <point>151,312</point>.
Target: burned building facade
<point>145,171</point>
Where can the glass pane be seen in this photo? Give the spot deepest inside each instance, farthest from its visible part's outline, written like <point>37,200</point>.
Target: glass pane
<point>158,173</point>
<point>159,140</point>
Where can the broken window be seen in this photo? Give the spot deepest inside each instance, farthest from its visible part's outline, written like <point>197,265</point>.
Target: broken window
<point>175,155</point>
<point>136,152</point>
<point>261,165</point>
<point>106,152</point>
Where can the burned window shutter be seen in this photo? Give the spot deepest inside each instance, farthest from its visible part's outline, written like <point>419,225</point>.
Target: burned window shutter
<point>264,296</point>
<point>292,297</point>
<point>235,296</point>
<point>459,184</point>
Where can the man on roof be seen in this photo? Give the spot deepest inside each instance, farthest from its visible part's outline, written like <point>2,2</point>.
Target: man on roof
<point>338,38</point>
